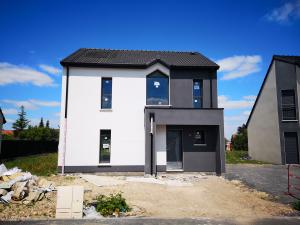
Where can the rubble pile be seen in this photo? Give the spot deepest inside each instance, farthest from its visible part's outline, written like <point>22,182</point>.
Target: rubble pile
<point>22,187</point>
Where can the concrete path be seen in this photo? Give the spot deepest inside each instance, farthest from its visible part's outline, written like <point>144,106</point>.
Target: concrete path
<point>153,221</point>
<point>268,178</point>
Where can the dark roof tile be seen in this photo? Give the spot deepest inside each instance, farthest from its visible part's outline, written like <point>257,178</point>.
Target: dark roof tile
<point>136,58</point>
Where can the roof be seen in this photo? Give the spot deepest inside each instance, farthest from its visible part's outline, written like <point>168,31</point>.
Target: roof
<point>8,132</point>
<point>288,59</point>
<point>1,113</point>
<point>136,58</point>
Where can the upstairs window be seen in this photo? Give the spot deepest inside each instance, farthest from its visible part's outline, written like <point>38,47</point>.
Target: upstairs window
<point>106,89</point>
<point>157,89</point>
<point>288,105</point>
<point>197,93</point>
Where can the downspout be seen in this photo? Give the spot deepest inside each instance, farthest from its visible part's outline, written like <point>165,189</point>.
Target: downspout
<point>65,124</point>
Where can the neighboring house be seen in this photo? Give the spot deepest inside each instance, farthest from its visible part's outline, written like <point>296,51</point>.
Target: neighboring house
<point>228,146</point>
<point>273,124</point>
<point>151,111</point>
<point>2,121</point>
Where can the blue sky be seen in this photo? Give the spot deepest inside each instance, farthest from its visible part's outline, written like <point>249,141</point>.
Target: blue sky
<point>241,36</point>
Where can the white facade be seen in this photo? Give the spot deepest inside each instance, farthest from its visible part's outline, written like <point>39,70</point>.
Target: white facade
<point>85,118</point>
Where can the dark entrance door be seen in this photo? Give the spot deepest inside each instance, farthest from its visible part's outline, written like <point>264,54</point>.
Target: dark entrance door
<point>291,148</point>
<point>174,150</point>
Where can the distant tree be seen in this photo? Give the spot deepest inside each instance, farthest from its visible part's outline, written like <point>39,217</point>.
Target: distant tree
<point>21,123</point>
<point>47,124</point>
<point>41,124</point>
<point>239,140</point>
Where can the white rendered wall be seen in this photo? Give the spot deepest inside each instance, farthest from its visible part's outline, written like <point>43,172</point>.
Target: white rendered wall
<point>85,117</point>
<point>161,145</point>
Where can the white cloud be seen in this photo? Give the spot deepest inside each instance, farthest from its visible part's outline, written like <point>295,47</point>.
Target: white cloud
<point>246,113</point>
<point>10,73</point>
<point>50,69</point>
<point>239,66</point>
<point>10,111</point>
<point>285,13</point>
<point>225,102</point>
<point>32,103</point>
<point>250,97</point>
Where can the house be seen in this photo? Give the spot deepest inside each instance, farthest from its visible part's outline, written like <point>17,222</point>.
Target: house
<point>141,111</point>
<point>273,124</point>
<point>2,121</point>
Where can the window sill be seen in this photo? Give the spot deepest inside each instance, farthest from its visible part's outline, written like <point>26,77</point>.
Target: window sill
<point>158,105</point>
<point>287,121</point>
<point>200,144</point>
<point>105,110</point>
<point>104,164</point>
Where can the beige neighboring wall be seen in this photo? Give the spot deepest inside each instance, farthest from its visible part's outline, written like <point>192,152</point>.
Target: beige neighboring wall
<point>263,127</point>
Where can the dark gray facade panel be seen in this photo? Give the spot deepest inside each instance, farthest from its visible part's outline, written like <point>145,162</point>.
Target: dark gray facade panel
<point>286,79</point>
<point>206,94</point>
<point>173,116</point>
<point>199,161</point>
<point>214,94</point>
<point>181,87</point>
<point>105,169</point>
<point>181,93</point>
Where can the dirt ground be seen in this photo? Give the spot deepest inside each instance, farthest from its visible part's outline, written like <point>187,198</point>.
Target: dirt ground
<point>208,196</point>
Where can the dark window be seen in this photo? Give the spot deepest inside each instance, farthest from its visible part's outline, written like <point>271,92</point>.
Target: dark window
<point>157,89</point>
<point>105,139</point>
<point>199,138</point>
<point>197,93</point>
<point>288,105</point>
<point>106,89</point>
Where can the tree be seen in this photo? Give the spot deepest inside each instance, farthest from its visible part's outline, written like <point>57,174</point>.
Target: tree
<point>21,123</point>
<point>41,123</point>
<point>239,140</point>
<point>47,124</point>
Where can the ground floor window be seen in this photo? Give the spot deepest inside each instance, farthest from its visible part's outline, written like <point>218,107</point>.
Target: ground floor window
<point>105,143</point>
<point>199,138</point>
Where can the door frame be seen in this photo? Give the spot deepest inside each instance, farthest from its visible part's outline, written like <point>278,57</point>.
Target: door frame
<point>181,136</point>
<point>284,145</point>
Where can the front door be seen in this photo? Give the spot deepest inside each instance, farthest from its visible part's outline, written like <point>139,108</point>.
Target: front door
<point>291,148</point>
<point>174,150</point>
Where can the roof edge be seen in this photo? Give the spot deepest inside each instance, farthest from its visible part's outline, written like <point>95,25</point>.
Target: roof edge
<point>4,120</point>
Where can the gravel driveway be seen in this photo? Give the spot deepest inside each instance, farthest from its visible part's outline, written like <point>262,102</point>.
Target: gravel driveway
<point>268,178</point>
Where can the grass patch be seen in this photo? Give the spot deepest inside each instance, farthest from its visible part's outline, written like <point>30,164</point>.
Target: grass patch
<point>41,165</point>
<point>112,204</point>
<point>236,157</point>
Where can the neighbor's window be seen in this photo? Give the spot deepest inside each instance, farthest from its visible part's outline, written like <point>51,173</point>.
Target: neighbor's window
<point>105,139</point>
<point>199,138</point>
<point>197,93</point>
<point>106,89</point>
<point>157,89</point>
<point>288,105</point>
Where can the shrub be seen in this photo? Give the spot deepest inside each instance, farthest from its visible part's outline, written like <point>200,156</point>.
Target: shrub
<point>296,205</point>
<point>112,204</point>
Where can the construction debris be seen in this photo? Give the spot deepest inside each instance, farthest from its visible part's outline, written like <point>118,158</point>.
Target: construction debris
<point>91,213</point>
<point>102,181</point>
<point>162,181</point>
<point>21,187</point>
